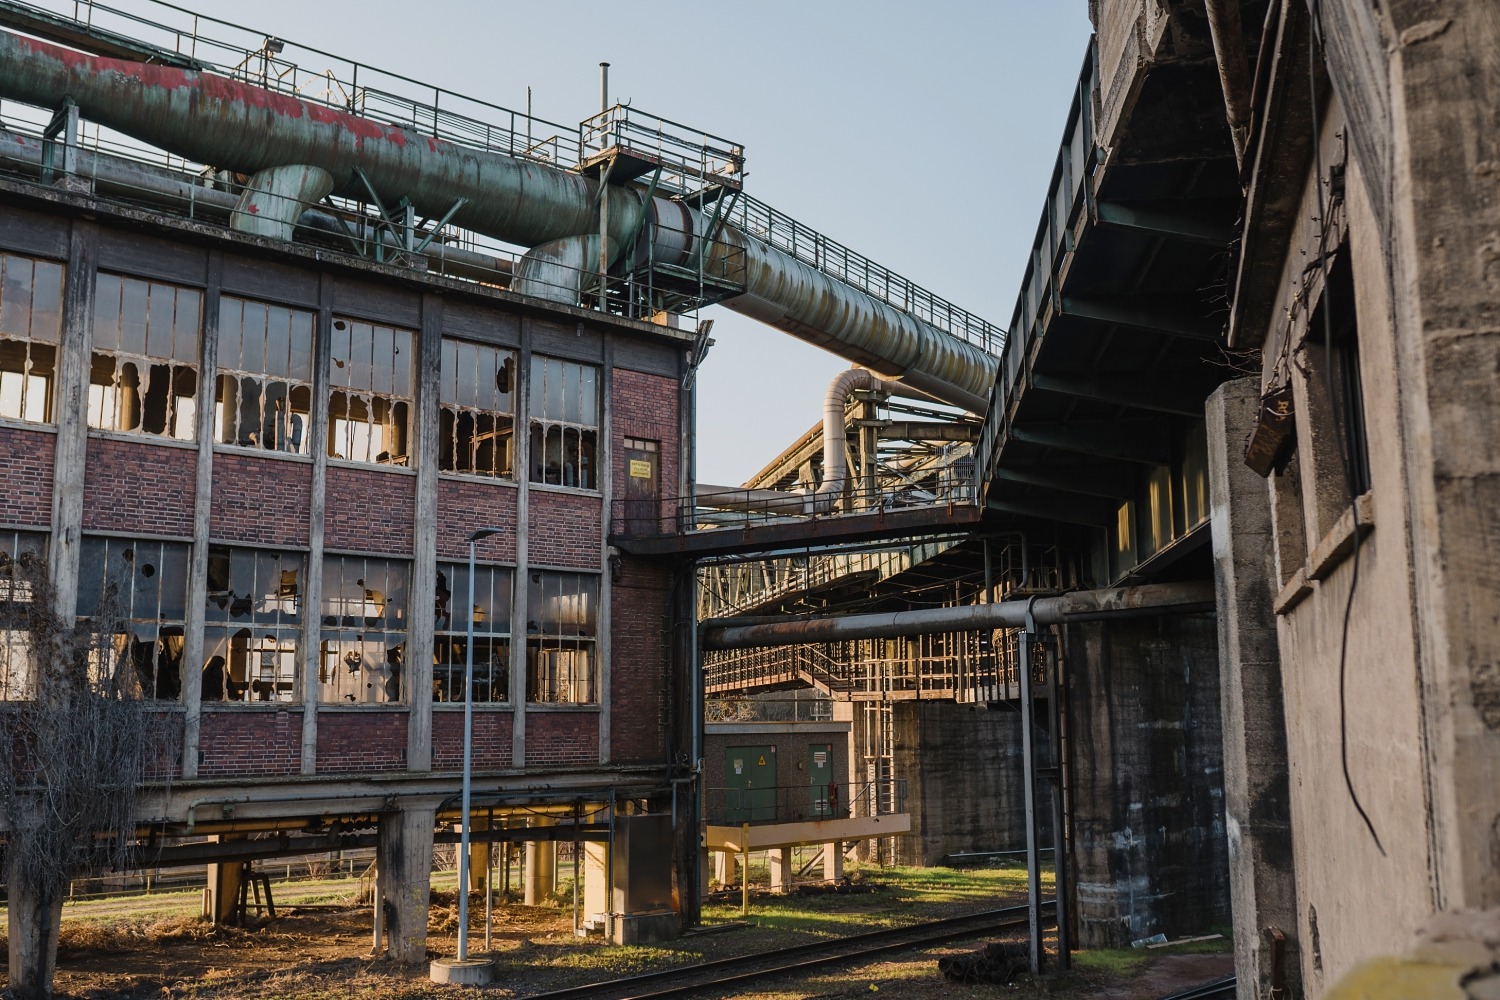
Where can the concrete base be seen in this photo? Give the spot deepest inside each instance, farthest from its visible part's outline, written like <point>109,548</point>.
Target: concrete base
<point>466,972</point>
<point>647,928</point>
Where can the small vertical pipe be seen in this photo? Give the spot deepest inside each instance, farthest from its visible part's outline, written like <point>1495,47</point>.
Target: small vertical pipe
<point>744,869</point>
<point>1028,766</point>
<point>1059,816</point>
<point>489,885</point>
<point>603,87</point>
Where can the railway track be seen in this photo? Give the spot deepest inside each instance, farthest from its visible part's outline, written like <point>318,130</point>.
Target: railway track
<point>1222,989</point>
<point>730,973</point>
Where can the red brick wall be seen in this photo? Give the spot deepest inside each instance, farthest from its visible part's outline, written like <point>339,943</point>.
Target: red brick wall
<point>463,506</point>
<point>369,510</point>
<point>564,529</point>
<point>262,500</point>
<point>355,742</point>
<point>645,406</point>
<point>27,458</point>
<point>238,743</point>
<point>492,734</point>
<point>138,486</point>
<point>562,739</point>
<point>639,656</point>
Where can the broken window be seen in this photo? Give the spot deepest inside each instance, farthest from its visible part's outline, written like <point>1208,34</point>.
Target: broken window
<point>370,393</point>
<point>491,617</point>
<point>30,328</point>
<point>251,624</point>
<point>138,589</point>
<point>143,376</point>
<point>477,428</point>
<point>17,550</point>
<point>564,423</point>
<point>265,375</point>
<point>362,655</point>
<point>562,628</point>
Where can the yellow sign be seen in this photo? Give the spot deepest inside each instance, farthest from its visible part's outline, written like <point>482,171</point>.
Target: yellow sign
<point>762,762</point>
<point>640,469</point>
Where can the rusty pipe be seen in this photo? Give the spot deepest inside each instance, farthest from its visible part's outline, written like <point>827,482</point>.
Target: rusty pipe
<point>225,122</point>
<point>1083,605</point>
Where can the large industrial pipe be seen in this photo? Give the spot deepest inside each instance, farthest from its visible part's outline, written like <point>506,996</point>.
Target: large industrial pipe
<point>1083,605</point>
<point>134,181</point>
<point>231,124</point>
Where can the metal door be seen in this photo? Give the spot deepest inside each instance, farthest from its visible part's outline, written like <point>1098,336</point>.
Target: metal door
<point>822,789</point>
<point>750,784</point>
<point>642,488</point>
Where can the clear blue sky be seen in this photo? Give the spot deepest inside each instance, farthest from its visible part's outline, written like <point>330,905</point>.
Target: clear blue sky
<point>919,134</point>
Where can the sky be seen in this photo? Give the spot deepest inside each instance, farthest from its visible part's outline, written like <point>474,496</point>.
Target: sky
<point>920,134</point>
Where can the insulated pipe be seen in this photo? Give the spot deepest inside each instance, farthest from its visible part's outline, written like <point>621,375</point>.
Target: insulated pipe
<point>1083,605</point>
<point>119,177</point>
<point>214,119</point>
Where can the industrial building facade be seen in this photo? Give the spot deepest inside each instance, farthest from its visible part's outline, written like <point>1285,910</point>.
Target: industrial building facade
<point>269,463</point>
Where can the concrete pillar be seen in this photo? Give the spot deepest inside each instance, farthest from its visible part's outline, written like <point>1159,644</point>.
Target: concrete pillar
<point>1149,849</point>
<point>596,884</point>
<point>833,861</point>
<point>222,893</point>
<point>479,854</point>
<point>404,864</point>
<point>781,869</point>
<point>541,861</point>
<point>724,868</point>
<point>1256,802</point>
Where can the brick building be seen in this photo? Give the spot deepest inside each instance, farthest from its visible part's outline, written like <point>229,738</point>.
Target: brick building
<point>275,456</point>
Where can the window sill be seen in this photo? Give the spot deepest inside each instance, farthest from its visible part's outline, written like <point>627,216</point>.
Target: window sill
<point>553,706</point>
<point>250,706</point>
<point>340,706</point>
<point>1330,552</point>
<point>105,434</point>
<point>280,456</point>
<point>465,477</point>
<point>16,423</point>
<point>567,490</point>
<point>344,463</point>
<point>479,706</point>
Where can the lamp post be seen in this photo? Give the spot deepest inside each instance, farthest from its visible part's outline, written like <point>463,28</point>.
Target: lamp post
<point>463,836</point>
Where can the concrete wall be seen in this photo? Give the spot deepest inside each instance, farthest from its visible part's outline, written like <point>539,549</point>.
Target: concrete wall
<point>963,780</point>
<point>1148,786</point>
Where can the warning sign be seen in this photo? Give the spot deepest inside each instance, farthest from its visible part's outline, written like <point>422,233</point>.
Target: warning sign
<point>762,762</point>
<point>640,468</point>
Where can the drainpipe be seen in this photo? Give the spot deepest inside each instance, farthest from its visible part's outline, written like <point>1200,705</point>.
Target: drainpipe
<point>1224,27</point>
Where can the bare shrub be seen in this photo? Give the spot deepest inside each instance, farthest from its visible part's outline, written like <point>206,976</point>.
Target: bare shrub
<point>76,753</point>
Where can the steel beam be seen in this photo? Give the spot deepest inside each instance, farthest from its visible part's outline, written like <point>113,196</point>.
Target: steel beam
<point>1159,315</point>
<point>1112,480</point>
<point>1169,221</point>
<point>1067,509</point>
<point>1159,392</point>
<point>1143,441</point>
<point>1083,605</point>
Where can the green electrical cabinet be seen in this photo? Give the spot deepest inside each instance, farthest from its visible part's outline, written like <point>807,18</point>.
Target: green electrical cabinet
<point>750,783</point>
<point>822,794</point>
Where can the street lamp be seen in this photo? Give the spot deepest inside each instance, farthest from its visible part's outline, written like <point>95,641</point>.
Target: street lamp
<point>464,972</point>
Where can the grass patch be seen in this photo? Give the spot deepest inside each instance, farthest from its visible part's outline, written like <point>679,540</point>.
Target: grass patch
<point>1113,962</point>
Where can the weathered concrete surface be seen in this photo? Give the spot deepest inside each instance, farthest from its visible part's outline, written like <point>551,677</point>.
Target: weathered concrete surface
<point>1257,809</point>
<point>1148,798</point>
<point>963,780</point>
<point>404,859</point>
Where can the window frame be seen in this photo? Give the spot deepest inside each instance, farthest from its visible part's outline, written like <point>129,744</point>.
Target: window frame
<point>354,381</point>
<point>33,344</point>
<point>556,415</point>
<point>563,642</point>
<point>275,642</point>
<point>293,385</point>
<point>450,632</point>
<point>113,354</point>
<point>344,649</point>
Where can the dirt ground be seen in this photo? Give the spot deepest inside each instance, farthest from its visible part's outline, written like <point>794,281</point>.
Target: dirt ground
<point>153,947</point>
